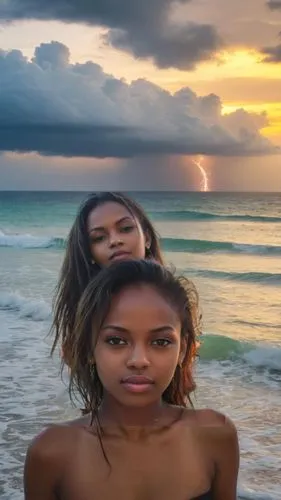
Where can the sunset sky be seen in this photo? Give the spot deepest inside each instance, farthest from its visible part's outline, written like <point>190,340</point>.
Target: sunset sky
<point>127,94</point>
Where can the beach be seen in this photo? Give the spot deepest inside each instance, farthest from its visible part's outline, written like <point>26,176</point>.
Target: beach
<point>229,244</point>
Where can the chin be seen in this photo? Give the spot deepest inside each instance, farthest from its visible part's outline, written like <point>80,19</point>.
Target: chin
<point>139,400</point>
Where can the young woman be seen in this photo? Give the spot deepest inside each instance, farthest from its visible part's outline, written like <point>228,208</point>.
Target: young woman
<point>108,227</point>
<point>135,332</point>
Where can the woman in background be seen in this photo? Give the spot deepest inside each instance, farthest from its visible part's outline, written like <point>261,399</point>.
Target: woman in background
<point>109,227</point>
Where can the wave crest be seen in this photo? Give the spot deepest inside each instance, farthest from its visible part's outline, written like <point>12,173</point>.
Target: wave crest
<point>37,310</point>
<point>174,215</point>
<point>222,348</point>
<point>205,246</point>
<point>17,240</point>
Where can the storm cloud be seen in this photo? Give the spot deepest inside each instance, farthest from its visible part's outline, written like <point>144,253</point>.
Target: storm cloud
<point>272,54</point>
<point>52,107</point>
<point>143,28</point>
<point>274,4</point>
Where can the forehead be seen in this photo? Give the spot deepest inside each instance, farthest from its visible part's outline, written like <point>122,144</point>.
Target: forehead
<point>145,302</point>
<point>107,214</point>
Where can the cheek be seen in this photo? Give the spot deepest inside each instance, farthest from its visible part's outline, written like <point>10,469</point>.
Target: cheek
<point>137,237</point>
<point>138,244</point>
<point>109,374</point>
<point>98,253</point>
<point>167,369</point>
<point>166,362</point>
<point>107,362</point>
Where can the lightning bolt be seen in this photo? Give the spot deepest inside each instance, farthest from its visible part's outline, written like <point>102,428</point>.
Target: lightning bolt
<point>205,181</point>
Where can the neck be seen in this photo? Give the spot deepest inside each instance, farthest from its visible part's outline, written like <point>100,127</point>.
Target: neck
<point>133,422</point>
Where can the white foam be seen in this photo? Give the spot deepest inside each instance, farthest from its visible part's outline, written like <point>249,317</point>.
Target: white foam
<point>24,240</point>
<point>37,310</point>
<point>249,494</point>
<point>256,249</point>
<point>264,357</point>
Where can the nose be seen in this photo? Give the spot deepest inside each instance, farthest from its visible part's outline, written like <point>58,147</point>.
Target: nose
<point>138,358</point>
<point>115,240</point>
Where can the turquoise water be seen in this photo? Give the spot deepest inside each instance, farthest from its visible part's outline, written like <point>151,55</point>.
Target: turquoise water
<point>229,244</point>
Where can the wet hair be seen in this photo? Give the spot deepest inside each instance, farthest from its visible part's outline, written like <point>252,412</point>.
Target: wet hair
<point>93,309</point>
<point>77,268</point>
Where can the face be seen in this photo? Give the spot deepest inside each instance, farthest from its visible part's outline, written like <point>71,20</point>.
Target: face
<point>139,347</point>
<point>115,234</point>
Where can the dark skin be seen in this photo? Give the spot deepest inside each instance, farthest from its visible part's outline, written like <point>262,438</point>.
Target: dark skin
<point>113,229</point>
<point>156,451</point>
<point>115,235</point>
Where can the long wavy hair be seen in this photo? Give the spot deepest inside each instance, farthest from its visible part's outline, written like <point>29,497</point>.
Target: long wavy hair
<point>77,269</point>
<point>93,309</point>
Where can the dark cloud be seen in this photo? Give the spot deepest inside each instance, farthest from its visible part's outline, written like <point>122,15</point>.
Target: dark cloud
<point>272,54</point>
<point>52,107</point>
<point>241,24</point>
<point>180,47</point>
<point>142,28</point>
<point>274,4</point>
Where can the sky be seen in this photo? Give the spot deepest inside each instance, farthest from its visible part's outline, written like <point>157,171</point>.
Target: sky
<point>130,95</point>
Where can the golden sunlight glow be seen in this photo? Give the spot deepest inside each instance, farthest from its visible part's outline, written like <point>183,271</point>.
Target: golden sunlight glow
<point>210,76</point>
<point>239,59</point>
<point>229,64</point>
<point>273,111</point>
<point>234,64</point>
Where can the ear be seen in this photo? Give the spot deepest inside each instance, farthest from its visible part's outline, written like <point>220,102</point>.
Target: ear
<point>147,240</point>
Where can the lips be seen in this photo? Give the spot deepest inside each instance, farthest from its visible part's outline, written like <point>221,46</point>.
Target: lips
<point>137,384</point>
<point>137,380</point>
<point>119,255</point>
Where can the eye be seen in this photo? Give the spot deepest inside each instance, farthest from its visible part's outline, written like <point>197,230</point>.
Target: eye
<point>115,341</point>
<point>126,229</point>
<point>161,342</point>
<point>97,239</point>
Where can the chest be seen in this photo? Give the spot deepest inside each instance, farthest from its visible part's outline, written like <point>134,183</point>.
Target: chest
<point>161,470</point>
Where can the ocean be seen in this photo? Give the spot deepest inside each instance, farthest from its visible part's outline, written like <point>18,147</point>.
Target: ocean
<point>228,244</point>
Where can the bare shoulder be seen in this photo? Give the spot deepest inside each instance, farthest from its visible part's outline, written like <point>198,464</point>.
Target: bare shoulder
<point>44,463</point>
<point>48,457</point>
<point>207,417</point>
<point>212,424</point>
<point>82,422</point>
<point>49,442</point>
<point>216,418</point>
<point>216,436</point>
<point>56,440</point>
<point>217,432</point>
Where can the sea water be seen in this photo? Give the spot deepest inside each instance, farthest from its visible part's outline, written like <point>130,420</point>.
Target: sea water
<point>228,244</point>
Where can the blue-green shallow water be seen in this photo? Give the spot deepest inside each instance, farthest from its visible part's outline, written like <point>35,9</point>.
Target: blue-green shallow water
<point>229,244</point>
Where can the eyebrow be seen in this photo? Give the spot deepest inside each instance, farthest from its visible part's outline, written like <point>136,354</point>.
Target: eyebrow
<point>121,329</point>
<point>101,228</point>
